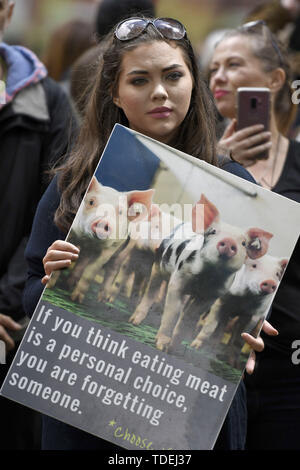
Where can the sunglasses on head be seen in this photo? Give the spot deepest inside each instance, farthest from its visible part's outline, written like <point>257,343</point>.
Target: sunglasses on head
<point>133,27</point>
<point>261,26</point>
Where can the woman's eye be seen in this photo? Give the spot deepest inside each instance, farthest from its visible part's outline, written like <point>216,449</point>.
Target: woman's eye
<point>174,76</point>
<point>138,81</point>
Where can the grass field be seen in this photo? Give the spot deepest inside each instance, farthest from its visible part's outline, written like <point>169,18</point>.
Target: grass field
<point>115,317</point>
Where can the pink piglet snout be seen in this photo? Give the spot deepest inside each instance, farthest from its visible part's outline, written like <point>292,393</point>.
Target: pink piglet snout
<point>101,228</point>
<point>227,247</point>
<point>268,286</point>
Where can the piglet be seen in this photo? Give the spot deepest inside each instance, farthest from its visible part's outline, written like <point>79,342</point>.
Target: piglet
<point>246,301</point>
<point>135,260</point>
<point>103,219</point>
<point>156,235</point>
<point>204,267</point>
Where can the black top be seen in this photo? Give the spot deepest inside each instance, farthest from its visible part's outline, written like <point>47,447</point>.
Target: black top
<point>34,133</point>
<point>285,314</point>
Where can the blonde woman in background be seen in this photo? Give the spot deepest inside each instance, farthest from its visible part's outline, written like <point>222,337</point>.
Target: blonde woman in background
<point>251,56</point>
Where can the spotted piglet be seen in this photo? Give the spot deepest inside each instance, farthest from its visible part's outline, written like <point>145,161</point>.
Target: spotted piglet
<point>161,226</point>
<point>204,267</point>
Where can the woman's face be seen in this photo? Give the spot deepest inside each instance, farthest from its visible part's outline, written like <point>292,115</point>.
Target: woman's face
<point>154,90</point>
<point>234,65</point>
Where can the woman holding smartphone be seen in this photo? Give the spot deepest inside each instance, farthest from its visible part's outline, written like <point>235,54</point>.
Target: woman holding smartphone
<point>250,56</point>
<point>148,81</point>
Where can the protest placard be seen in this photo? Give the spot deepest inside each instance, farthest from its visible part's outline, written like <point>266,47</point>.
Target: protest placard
<point>139,341</point>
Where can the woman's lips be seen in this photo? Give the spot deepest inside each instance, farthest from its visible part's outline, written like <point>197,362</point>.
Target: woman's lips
<point>159,113</point>
<point>220,93</point>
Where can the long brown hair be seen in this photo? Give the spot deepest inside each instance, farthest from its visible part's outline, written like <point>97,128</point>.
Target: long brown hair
<point>195,136</point>
<point>66,44</point>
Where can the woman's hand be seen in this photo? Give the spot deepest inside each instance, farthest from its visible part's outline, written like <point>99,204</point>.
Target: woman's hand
<point>257,344</point>
<point>59,255</point>
<point>7,323</point>
<point>245,145</point>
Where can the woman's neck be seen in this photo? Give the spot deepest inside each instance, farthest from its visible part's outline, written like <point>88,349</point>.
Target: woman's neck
<point>267,171</point>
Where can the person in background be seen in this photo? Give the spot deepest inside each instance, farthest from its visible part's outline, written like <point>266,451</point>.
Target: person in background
<point>273,13</point>
<point>147,65</point>
<point>252,56</point>
<point>111,12</point>
<point>67,42</point>
<point>207,50</point>
<point>293,7</point>
<point>283,19</point>
<point>35,118</point>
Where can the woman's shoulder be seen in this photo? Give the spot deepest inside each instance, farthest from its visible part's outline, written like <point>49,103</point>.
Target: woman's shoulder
<point>51,196</point>
<point>292,163</point>
<point>294,149</point>
<point>47,206</point>
<point>236,169</point>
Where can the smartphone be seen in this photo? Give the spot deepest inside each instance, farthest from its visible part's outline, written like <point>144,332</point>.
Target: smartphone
<point>253,107</point>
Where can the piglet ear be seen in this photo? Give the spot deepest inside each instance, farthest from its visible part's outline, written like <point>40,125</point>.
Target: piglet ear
<point>139,204</point>
<point>283,264</point>
<point>154,211</point>
<point>258,242</point>
<point>204,213</point>
<point>94,185</point>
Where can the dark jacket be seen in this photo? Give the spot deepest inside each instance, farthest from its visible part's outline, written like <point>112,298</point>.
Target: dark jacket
<point>34,133</point>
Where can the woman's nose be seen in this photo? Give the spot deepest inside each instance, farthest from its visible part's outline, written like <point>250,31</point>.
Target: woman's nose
<point>219,75</point>
<point>159,92</point>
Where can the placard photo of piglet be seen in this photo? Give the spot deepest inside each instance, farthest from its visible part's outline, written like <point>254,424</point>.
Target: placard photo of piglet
<point>176,254</point>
